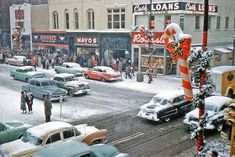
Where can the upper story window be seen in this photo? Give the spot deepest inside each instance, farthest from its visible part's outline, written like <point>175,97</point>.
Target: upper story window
<point>226,22</point>
<point>66,13</point>
<point>182,22</point>
<point>209,22</point>
<point>167,20</point>
<point>116,18</point>
<point>218,22</point>
<point>76,19</point>
<point>91,19</point>
<point>55,20</point>
<point>197,22</point>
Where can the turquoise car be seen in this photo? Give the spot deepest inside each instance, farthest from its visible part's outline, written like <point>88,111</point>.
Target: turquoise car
<point>26,73</point>
<point>79,149</point>
<point>71,68</point>
<point>11,131</point>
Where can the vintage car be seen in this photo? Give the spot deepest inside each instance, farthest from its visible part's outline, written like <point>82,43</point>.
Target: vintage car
<point>71,84</point>
<point>98,150</point>
<point>102,73</point>
<point>47,134</point>
<point>17,60</point>
<point>43,86</point>
<point>165,105</point>
<point>26,73</point>
<point>71,68</point>
<point>10,131</point>
<point>214,107</point>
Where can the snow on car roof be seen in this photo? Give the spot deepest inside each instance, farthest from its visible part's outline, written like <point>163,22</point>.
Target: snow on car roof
<point>19,56</point>
<point>169,94</point>
<point>44,129</point>
<point>71,63</point>
<point>26,67</point>
<point>217,101</point>
<point>222,69</point>
<point>102,67</point>
<point>64,75</point>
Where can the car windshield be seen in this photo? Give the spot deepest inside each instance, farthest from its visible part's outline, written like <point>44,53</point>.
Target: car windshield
<point>210,107</point>
<point>69,79</point>
<point>160,101</point>
<point>28,137</point>
<point>48,83</point>
<point>29,69</point>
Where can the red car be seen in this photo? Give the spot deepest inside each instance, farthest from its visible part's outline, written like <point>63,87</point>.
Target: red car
<point>103,73</point>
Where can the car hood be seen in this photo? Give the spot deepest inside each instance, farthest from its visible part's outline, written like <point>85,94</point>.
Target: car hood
<point>17,146</point>
<point>105,150</point>
<point>17,125</point>
<point>53,89</point>
<point>195,113</point>
<point>76,83</point>
<point>153,106</point>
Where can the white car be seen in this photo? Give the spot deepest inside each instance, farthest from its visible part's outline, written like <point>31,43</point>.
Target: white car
<point>214,108</point>
<point>164,106</point>
<point>17,60</point>
<point>47,134</point>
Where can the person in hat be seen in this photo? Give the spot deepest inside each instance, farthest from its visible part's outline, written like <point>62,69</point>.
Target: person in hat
<point>47,108</point>
<point>29,99</point>
<point>23,102</point>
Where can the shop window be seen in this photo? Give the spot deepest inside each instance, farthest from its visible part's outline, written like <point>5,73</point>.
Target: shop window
<point>66,19</point>
<point>197,22</point>
<point>91,19</point>
<point>116,18</point>
<point>182,22</point>
<point>218,22</point>
<point>209,22</point>
<point>55,20</point>
<point>226,23</point>
<point>76,19</point>
<point>167,20</point>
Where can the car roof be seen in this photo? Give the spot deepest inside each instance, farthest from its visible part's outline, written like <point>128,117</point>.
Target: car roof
<point>19,56</point>
<point>41,79</point>
<point>169,94</point>
<point>64,75</point>
<point>44,129</point>
<point>70,63</point>
<point>102,67</point>
<point>26,67</point>
<point>222,69</point>
<point>217,101</point>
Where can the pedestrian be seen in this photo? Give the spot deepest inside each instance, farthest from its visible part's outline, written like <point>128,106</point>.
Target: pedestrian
<point>155,66</point>
<point>29,99</point>
<point>23,103</point>
<point>150,75</point>
<point>120,64</point>
<point>47,108</point>
<point>132,70</point>
<point>128,71</point>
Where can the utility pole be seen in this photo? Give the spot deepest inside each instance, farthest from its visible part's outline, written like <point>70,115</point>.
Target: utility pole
<point>200,137</point>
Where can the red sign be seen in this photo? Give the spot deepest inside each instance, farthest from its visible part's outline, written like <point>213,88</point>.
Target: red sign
<point>140,38</point>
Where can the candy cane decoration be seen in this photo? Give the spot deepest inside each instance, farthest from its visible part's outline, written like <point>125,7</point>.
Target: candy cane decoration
<point>178,44</point>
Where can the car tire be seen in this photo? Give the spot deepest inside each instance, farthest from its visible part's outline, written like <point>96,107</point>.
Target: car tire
<point>57,71</point>
<point>219,127</point>
<point>70,92</point>
<point>86,76</point>
<point>167,119</point>
<point>27,80</point>
<point>14,77</point>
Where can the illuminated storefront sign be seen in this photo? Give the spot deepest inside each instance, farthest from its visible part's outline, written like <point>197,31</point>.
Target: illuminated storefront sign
<point>87,41</point>
<point>139,38</point>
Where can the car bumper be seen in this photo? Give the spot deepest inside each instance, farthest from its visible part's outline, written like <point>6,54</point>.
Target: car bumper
<point>115,79</point>
<point>57,97</point>
<point>83,91</point>
<point>148,116</point>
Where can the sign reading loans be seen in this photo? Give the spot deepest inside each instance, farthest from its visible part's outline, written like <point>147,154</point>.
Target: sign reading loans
<point>174,6</point>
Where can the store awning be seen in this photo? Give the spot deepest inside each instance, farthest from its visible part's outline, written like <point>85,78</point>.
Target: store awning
<point>222,50</point>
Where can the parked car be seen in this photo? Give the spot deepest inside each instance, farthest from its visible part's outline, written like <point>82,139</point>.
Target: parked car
<point>26,73</point>
<point>98,150</point>
<point>71,84</point>
<point>71,68</point>
<point>47,134</point>
<point>43,86</point>
<point>17,60</point>
<point>10,131</point>
<point>165,105</point>
<point>214,108</point>
<point>102,73</point>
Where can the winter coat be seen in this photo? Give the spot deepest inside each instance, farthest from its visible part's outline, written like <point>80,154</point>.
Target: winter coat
<point>29,98</point>
<point>47,106</point>
<point>22,102</point>
<point>120,66</point>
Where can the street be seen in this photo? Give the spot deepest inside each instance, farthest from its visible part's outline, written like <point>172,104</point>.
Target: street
<point>106,106</point>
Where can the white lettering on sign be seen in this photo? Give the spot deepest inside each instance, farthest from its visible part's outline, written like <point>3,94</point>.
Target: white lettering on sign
<point>81,40</point>
<point>165,6</point>
<point>140,8</point>
<point>48,38</point>
<point>139,39</point>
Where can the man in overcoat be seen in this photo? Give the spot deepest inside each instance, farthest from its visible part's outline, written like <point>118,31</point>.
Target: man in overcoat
<point>47,108</point>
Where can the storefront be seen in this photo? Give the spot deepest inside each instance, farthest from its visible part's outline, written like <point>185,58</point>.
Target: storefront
<point>99,48</point>
<point>152,53</point>
<point>50,42</point>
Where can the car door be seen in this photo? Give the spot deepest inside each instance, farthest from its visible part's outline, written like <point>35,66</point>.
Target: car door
<point>33,86</point>
<point>52,139</point>
<point>94,73</point>
<point>59,82</point>
<point>184,106</point>
<point>21,74</point>
<point>218,117</point>
<point>3,134</point>
<point>68,134</point>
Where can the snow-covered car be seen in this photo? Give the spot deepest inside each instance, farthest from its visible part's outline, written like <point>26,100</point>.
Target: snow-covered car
<point>17,60</point>
<point>10,131</point>
<point>71,84</point>
<point>71,68</point>
<point>214,108</point>
<point>165,105</point>
<point>103,73</point>
<point>26,73</point>
<point>47,134</point>
<point>98,150</point>
<point>44,86</point>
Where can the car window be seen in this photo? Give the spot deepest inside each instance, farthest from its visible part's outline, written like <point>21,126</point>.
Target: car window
<point>2,127</point>
<point>52,83</point>
<point>164,102</point>
<point>77,133</point>
<point>69,79</point>
<point>223,107</point>
<point>56,79</point>
<point>45,83</point>
<point>38,84</point>
<point>28,137</point>
<point>53,138</point>
<point>67,66</point>
<point>86,155</point>
<point>210,107</point>
<point>68,133</point>
<point>33,83</point>
<point>60,79</point>
<point>156,99</point>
